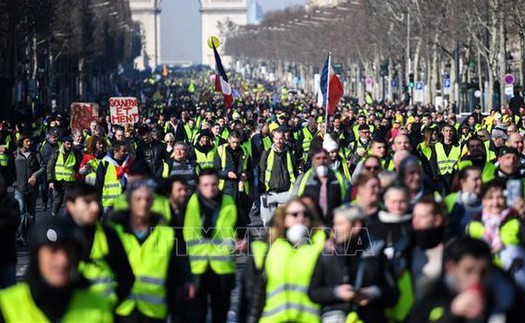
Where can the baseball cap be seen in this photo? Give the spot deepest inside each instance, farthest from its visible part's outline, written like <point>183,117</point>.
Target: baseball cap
<point>508,150</point>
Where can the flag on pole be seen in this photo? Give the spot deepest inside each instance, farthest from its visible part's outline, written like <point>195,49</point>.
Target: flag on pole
<point>331,87</point>
<point>221,80</point>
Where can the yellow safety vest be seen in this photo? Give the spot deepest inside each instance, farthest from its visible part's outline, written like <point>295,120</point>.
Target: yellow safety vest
<point>112,186</point>
<point>289,271</point>
<point>269,168</point>
<point>4,157</point>
<point>17,305</point>
<point>446,163</point>
<point>306,176</point>
<point>216,252</point>
<point>149,261</point>
<point>161,205</point>
<point>488,173</point>
<point>509,233</point>
<point>267,143</point>
<point>222,156</point>
<point>205,160</point>
<point>307,141</point>
<point>425,150</point>
<point>96,269</point>
<point>64,170</point>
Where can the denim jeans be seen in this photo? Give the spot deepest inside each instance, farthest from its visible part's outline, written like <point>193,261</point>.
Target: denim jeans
<point>27,204</point>
<point>7,275</point>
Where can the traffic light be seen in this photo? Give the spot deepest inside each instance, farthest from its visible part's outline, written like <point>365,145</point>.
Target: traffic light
<point>411,80</point>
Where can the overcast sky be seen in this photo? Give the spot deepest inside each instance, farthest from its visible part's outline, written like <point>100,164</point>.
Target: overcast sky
<point>180,27</point>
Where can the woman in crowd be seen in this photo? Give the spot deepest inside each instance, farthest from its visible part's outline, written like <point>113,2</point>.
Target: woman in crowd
<point>410,174</point>
<point>96,151</point>
<point>281,271</point>
<point>464,202</point>
<point>367,188</point>
<point>354,279</point>
<point>500,227</point>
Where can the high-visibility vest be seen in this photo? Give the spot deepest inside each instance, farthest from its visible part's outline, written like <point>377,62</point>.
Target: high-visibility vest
<point>217,251</point>
<point>96,269</point>
<point>446,163</point>
<point>306,176</point>
<point>222,156</point>
<point>65,170</point>
<point>400,311</point>
<point>289,271</point>
<point>247,145</point>
<point>488,173</point>
<point>425,150</point>
<point>491,154</point>
<point>509,233</point>
<point>112,187</point>
<point>149,261</point>
<point>17,305</point>
<point>189,132</point>
<point>346,171</point>
<point>161,205</point>
<point>205,160</point>
<point>267,143</point>
<point>307,141</point>
<point>4,157</point>
<point>92,175</point>
<point>269,168</point>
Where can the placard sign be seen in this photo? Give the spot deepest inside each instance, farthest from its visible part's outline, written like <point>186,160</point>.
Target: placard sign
<point>124,110</point>
<point>82,113</point>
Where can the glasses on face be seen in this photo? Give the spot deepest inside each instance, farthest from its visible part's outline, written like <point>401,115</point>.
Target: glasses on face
<point>371,168</point>
<point>297,213</point>
<point>170,141</point>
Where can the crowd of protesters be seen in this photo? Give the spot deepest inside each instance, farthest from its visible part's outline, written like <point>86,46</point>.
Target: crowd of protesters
<point>381,212</point>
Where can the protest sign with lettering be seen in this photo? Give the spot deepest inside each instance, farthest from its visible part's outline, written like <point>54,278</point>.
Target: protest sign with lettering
<point>82,113</point>
<point>124,110</point>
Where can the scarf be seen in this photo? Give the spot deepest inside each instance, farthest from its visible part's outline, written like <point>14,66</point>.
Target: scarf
<point>492,223</point>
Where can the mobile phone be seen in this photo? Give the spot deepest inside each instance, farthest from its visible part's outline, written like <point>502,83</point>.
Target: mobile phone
<point>514,190</point>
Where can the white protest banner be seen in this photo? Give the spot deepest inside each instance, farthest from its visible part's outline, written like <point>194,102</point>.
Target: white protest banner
<point>124,110</point>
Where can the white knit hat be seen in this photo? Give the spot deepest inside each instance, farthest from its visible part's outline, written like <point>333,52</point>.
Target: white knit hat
<point>329,144</point>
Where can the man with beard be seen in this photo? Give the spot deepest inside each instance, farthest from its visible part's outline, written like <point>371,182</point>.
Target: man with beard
<point>476,156</point>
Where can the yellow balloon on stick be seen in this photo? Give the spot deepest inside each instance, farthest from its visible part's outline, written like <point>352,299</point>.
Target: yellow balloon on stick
<point>214,42</point>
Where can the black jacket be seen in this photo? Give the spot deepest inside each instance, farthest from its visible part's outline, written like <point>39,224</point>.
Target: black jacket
<point>234,163</point>
<point>342,267</point>
<point>154,153</point>
<point>178,131</point>
<point>116,258</point>
<point>280,177</point>
<point>9,221</point>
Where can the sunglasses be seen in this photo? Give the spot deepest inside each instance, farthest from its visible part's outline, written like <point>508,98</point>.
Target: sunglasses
<point>372,168</point>
<point>296,214</point>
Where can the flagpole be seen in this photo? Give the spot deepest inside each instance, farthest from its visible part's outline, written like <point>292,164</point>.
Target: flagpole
<point>327,93</point>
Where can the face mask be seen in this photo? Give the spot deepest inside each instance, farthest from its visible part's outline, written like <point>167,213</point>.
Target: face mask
<point>296,234</point>
<point>429,238</point>
<point>365,140</point>
<point>321,171</point>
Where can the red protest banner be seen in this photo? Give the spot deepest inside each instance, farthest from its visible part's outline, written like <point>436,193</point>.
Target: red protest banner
<point>82,113</point>
<point>124,110</point>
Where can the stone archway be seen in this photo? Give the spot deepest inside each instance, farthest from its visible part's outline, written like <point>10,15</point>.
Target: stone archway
<point>214,12</point>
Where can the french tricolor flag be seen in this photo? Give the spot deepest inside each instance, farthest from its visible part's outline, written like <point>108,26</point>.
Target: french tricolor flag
<point>331,87</point>
<point>221,80</point>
